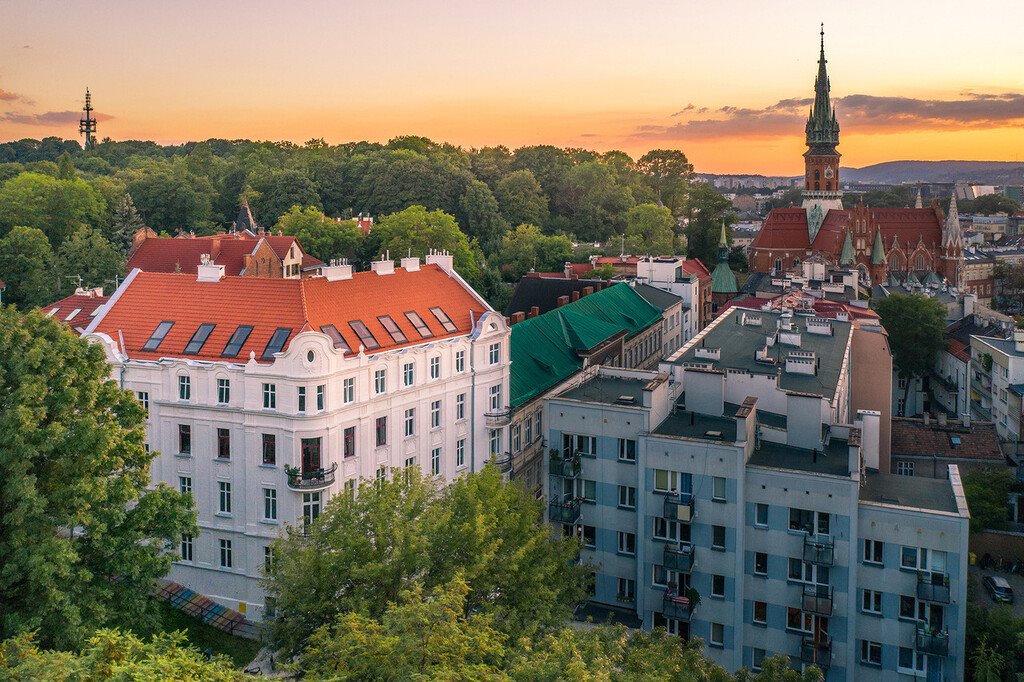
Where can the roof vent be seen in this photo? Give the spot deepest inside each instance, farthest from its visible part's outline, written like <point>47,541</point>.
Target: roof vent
<point>626,400</point>
<point>713,435</point>
<point>707,353</point>
<point>443,259</point>
<point>338,269</point>
<point>208,271</point>
<point>819,325</point>
<point>384,266</point>
<point>411,264</point>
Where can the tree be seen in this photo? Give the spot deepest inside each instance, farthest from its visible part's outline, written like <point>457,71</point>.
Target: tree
<point>279,191</point>
<point>57,207</point>
<point>893,197</point>
<point>88,254</point>
<point>491,164</point>
<point>989,204</point>
<point>668,172</point>
<point>404,532</point>
<point>592,203</point>
<point>987,490</point>
<point>988,663</point>
<point>114,655</point>
<point>481,219</point>
<point>169,197</point>
<point>521,199</point>
<point>26,267</point>
<point>916,325</point>
<point>526,248</point>
<point>84,536</point>
<point>706,210</point>
<point>322,237</point>
<point>791,197</point>
<point>418,230</point>
<point>649,230</point>
<point>125,222</point>
<point>66,167</point>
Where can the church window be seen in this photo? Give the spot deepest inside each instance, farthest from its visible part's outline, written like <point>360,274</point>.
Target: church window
<point>828,185</point>
<point>817,185</point>
<point>919,263</point>
<point>778,263</point>
<point>817,175</point>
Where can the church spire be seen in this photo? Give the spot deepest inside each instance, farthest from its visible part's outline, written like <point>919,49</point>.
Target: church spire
<point>951,237</point>
<point>822,126</point>
<point>919,203</point>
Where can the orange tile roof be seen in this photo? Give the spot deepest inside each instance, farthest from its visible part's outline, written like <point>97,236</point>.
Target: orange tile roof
<point>86,303</point>
<point>177,254</point>
<point>149,298</point>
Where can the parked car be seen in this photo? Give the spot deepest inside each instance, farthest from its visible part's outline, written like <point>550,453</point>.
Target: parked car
<point>998,589</point>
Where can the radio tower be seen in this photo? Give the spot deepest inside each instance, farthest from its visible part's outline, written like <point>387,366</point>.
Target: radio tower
<point>87,126</point>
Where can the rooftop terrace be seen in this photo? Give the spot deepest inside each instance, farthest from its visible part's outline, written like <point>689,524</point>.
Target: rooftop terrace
<point>909,491</point>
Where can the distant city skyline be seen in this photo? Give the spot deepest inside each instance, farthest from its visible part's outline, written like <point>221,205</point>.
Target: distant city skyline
<point>727,84</point>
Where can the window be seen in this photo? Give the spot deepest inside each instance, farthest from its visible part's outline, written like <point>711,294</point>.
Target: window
<point>380,381</point>
<point>185,439</point>
<point>435,367</point>
<point>873,551</point>
<point>408,377</point>
<point>586,490</point>
<point>529,430</point>
<point>269,448</point>
<point>223,391</point>
<point>517,438</point>
<point>583,445</point>
<point>757,659</point>
<point>185,485</point>
<point>460,407</point>
<point>809,521</point>
<point>268,558</point>
<point>908,607</point>
<point>717,635</point>
<point>904,468</point>
<point>799,621</point>
<point>410,422</point>
<point>223,443</point>
<point>349,442</point>
<point>460,453</point>
<point>495,441</point>
<point>910,662</point>
<point>184,387</point>
<point>350,488</point>
<point>627,543</point>
<point>494,393</point>
<point>760,563</point>
<point>336,338</point>
<point>143,397</point>
<point>718,537</point>
<point>627,590</point>
<point>671,481</point>
<point>382,472</point>
<point>627,450</point>
<point>718,586</point>
<point>435,462</point>
<point>589,535</point>
<point>224,500</point>
<point>871,602</point>
<point>158,336</point>
<point>627,497</point>
<point>760,613</point>
<point>460,361</point>
<point>348,390</point>
<point>276,343</point>
<point>909,557</point>
<point>321,397</point>
<point>269,396</point>
<point>806,572</point>
<point>761,515</point>
<point>237,340</point>
<point>186,547</point>
<point>391,328</point>
<point>718,489</point>
<point>870,652</point>
<point>226,558</point>
<point>673,531</point>
<point>365,337</point>
<point>435,414</point>
<point>381,430</point>
<point>443,318</point>
<point>195,344</point>
<point>310,507</point>
<point>494,353</point>
<point>302,399</point>
<point>418,324</point>
<point>269,504</point>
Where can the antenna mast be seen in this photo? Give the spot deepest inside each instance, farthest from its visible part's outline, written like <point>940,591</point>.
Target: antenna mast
<point>87,124</point>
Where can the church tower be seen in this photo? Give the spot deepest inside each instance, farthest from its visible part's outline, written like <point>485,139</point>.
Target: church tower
<point>821,160</point>
<point>952,255</point>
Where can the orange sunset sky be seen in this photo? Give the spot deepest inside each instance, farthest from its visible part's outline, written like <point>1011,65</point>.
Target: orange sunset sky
<point>726,82</point>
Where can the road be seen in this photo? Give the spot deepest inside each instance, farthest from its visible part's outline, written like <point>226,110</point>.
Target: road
<point>982,596</point>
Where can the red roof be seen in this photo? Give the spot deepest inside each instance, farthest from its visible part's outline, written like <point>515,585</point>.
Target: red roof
<point>694,266</point>
<point>166,254</point>
<point>786,228</point>
<point>148,298</point>
<point>76,310</point>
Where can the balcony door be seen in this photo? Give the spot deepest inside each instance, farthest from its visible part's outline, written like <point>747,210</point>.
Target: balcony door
<point>310,455</point>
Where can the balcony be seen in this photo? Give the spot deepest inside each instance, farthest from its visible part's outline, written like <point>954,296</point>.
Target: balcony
<point>818,599</point>
<point>679,507</point>
<point>502,460</point>
<point>817,651</point>
<point>932,641</point>
<point>933,586</point>
<point>498,419</point>
<point>564,512</point>
<point>678,606</point>
<point>819,550</point>
<point>310,479</point>
<point>678,557</point>
<point>565,466</point>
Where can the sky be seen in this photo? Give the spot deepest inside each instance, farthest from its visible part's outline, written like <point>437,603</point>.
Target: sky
<point>728,83</point>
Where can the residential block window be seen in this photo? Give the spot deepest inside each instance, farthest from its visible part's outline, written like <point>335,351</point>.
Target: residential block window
<point>321,397</point>
<point>224,499</point>
<point>589,535</point>
<point>670,530</point>
<point>494,393</point>
<point>627,450</point>
<point>909,608</point>
<point>381,431</point>
<point>269,448</point>
<point>718,489</point>
<point>460,361</point>
<point>311,506</point>
<point>348,390</point>
<point>435,367</point>
<point>717,635</point>
<point>718,586</point>
<point>586,490</point>
<point>871,602</point>
<point>380,381</point>
<point>809,521</point>
<point>435,462</point>
<point>226,554</point>
<point>718,537</point>
<point>583,445</point>
<point>460,407</point>
<point>302,399</point>
<point>184,387</point>
<point>911,662</point>
<point>270,504</point>
<point>435,414</point>
<point>761,515</point>
<point>143,397</point>
<point>460,453</point>
<point>672,481</point>
<point>349,442</point>
<point>626,590</point>
<point>627,543</point>
<point>494,354</point>
<point>223,391</point>
<point>806,572</point>
<point>757,659</point>
<point>186,547</point>
<point>873,551</point>
<point>185,439</point>
<point>760,614</point>
<point>760,563</point>
<point>904,468</point>
<point>870,652</point>
<point>185,485</point>
<point>223,443</point>
<point>410,422</point>
<point>408,374</point>
<point>269,397</point>
<point>627,497</point>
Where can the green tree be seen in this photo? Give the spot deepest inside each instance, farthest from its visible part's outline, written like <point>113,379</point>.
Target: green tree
<point>706,210</point>
<point>89,255</point>
<point>57,207</point>
<point>669,172</point>
<point>649,230</point>
<point>26,267</point>
<point>592,203</point>
<point>989,204</point>
<point>989,664</point>
<point>125,222</point>
<point>526,248</point>
<point>66,168</point>
<point>418,230</point>
<point>84,536</point>
<point>481,219</point>
<point>279,191</point>
<point>491,164</point>
<point>169,197</point>
<point>893,197</point>
<point>322,237</point>
<point>987,490</point>
<point>916,325</point>
<point>521,199</point>
<point>791,197</point>
<point>117,656</point>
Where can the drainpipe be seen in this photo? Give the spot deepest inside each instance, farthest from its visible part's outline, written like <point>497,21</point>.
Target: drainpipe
<point>472,396</point>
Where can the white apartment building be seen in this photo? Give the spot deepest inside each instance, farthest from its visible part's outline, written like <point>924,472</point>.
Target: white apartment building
<point>267,397</point>
<point>667,273</point>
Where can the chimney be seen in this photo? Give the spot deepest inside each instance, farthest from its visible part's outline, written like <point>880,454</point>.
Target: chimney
<point>384,266</point>
<point>411,264</point>
<point>588,290</point>
<point>337,269</point>
<point>927,419</point>
<point>534,311</point>
<point>562,300</point>
<point>942,419</point>
<point>575,296</point>
<point>442,259</point>
<point>208,270</point>
<point>1018,340</point>
<point>518,317</point>
<point>965,419</point>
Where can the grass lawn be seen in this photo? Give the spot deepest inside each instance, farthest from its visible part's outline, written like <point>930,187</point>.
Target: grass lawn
<point>203,636</point>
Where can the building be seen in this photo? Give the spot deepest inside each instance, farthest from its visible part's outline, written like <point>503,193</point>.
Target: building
<point>926,447</point>
<point>723,279</point>
<point>997,382</point>
<point>672,315</point>
<point>734,496</point>
<point>873,241</point>
<point>950,380</point>
<point>538,293</point>
<point>682,278</point>
<point>267,397</point>
<point>78,309</point>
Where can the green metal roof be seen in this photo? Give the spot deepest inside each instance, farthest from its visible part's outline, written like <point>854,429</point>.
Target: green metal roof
<point>846,257</point>
<point>545,349</point>
<point>878,251</point>
<point>723,280</point>
<point>932,278</point>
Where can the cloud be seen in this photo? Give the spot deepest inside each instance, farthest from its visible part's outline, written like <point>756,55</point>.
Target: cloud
<point>863,113</point>
<point>49,118</point>
<point>8,96</point>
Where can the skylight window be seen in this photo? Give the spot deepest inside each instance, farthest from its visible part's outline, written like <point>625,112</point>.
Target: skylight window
<point>443,318</point>
<point>392,328</point>
<point>237,340</point>
<point>367,339</point>
<point>195,344</point>
<point>72,314</point>
<point>158,335</point>
<point>276,342</point>
<point>419,324</point>
<point>53,311</point>
<point>336,337</point>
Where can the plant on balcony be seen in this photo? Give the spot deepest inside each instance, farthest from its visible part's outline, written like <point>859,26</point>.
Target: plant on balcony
<point>986,362</point>
<point>291,471</point>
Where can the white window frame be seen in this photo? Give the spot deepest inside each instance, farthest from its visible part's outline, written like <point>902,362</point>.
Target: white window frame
<point>223,391</point>
<point>270,504</point>
<point>627,497</point>
<point>435,367</point>
<point>624,543</point>
<point>380,381</point>
<point>184,387</point>
<point>269,396</point>
<point>223,497</point>
<point>348,390</point>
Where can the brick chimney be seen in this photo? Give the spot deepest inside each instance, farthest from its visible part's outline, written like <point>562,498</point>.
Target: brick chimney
<point>518,317</point>
<point>562,300</point>
<point>575,296</point>
<point>588,290</point>
<point>534,311</point>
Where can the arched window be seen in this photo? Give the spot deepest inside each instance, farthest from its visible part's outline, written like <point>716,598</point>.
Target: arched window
<point>817,175</point>
<point>919,263</point>
<point>778,263</point>
<point>828,185</point>
<point>817,185</point>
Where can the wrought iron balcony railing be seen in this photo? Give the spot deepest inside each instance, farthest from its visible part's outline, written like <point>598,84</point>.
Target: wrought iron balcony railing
<point>311,479</point>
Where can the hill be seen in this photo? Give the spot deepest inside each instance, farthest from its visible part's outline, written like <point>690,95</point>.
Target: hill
<point>899,172</point>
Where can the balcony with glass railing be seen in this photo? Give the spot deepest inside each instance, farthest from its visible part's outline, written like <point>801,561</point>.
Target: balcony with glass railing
<point>819,549</point>
<point>931,640</point>
<point>817,599</point>
<point>564,465</point>
<point>933,586</point>
<point>678,557</point>
<point>567,511</point>
<point>817,651</point>
<point>679,507</point>
<point>679,605</point>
